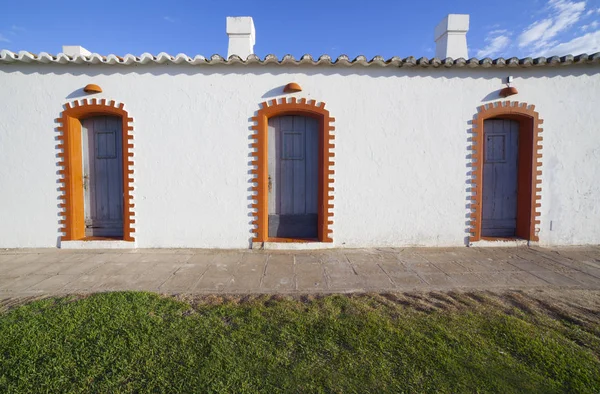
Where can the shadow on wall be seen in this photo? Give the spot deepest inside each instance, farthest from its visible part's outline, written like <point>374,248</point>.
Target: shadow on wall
<point>274,70</point>
<point>470,177</point>
<point>252,179</point>
<point>495,95</point>
<point>275,92</point>
<point>60,168</point>
<point>79,93</point>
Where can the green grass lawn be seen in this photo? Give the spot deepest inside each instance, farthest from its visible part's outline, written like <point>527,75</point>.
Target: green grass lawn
<point>142,342</point>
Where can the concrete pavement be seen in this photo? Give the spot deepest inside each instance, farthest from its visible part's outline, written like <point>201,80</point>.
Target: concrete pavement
<point>30,272</point>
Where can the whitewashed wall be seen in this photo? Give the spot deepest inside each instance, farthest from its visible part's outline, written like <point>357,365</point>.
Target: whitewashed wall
<point>400,156</point>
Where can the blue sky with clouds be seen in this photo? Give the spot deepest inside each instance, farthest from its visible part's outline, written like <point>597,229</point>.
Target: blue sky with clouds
<point>375,27</point>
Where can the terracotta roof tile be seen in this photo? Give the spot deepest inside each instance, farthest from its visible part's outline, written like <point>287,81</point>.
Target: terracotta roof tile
<point>324,60</point>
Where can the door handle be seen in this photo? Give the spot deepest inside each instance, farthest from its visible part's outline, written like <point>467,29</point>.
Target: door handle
<point>86,179</point>
<point>270,184</point>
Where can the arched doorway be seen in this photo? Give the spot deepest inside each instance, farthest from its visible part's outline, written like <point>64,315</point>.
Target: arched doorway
<point>97,181</point>
<point>506,152</point>
<point>293,162</point>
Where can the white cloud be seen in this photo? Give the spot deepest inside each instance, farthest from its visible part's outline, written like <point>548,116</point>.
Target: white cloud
<point>590,26</point>
<point>588,43</point>
<point>3,39</point>
<point>535,32</point>
<point>499,31</point>
<point>562,15</point>
<point>169,19</point>
<point>494,46</point>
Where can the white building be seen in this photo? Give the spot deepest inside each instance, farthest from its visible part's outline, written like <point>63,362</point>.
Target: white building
<point>173,151</point>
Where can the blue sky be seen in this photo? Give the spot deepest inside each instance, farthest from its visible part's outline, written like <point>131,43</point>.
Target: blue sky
<point>375,27</point>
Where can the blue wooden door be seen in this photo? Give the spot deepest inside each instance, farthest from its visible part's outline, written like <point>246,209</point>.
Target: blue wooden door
<point>500,178</point>
<point>293,176</point>
<point>103,176</point>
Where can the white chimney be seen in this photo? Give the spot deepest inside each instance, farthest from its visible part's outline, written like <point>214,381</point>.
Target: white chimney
<point>451,37</point>
<point>75,50</point>
<point>240,30</point>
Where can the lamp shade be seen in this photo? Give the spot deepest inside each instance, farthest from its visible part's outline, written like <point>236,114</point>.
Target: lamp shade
<point>292,87</point>
<point>509,91</point>
<point>92,88</point>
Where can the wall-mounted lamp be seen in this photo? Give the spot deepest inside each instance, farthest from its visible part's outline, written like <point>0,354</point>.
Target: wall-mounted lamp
<point>292,87</point>
<point>92,88</point>
<point>508,90</point>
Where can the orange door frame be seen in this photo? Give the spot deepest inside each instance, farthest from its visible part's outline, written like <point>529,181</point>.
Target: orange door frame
<point>71,160</point>
<point>300,107</point>
<point>529,167</point>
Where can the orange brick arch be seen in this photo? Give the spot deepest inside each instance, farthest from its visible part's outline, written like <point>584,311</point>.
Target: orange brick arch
<point>300,107</point>
<point>529,172</point>
<point>70,159</point>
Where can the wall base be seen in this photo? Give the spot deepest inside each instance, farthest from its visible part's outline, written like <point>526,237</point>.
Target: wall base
<point>292,245</point>
<point>509,242</point>
<point>97,245</point>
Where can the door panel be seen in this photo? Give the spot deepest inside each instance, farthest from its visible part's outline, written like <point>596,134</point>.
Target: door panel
<point>500,178</point>
<point>103,176</point>
<point>293,176</point>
